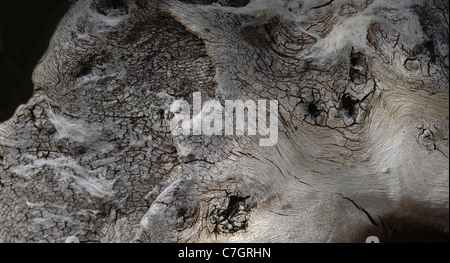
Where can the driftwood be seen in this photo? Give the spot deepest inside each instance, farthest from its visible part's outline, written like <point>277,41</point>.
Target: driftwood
<point>362,124</point>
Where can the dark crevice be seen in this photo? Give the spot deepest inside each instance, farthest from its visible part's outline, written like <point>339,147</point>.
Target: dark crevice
<point>432,26</point>
<point>425,48</point>
<point>320,6</point>
<point>189,160</point>
<point>232,218</point>
<point>233,206</point>
<point>348,104</point>
<point>81,150</point>
<point>358,69</point>
<point>181,212</point>
<point>107,7</point>
<point>161,114</point>
<point>429,46</point>
<point>356,58</point>
<point>362,210</point>
<point>313,110</point>
<point>382,223</point>
<point>83,71</point>
<point>312,107</point>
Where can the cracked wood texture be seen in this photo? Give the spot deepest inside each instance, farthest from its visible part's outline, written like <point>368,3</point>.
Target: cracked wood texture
<point>363,124</point>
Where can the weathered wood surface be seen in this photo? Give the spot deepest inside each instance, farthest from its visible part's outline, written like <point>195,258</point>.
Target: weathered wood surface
<point>362,148</point>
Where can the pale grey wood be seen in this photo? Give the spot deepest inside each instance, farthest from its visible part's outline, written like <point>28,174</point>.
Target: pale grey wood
<point>362,150</point>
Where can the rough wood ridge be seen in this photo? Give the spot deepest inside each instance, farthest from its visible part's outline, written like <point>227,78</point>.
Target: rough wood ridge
<point>363,126</point>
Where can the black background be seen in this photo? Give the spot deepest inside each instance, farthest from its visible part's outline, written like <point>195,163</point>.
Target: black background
<point>25,31</point>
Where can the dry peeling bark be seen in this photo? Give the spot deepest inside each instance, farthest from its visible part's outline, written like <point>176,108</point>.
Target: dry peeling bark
<point>363,100</point>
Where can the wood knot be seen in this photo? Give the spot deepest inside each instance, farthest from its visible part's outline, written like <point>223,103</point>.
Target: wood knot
<point>232,218</point>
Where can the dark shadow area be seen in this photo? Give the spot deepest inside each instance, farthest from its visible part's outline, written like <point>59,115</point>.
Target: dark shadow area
<point>25,31</point>
<point>421,235</point>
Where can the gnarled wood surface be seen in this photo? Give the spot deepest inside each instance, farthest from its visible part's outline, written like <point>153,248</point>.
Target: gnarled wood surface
<point>362,150</point>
